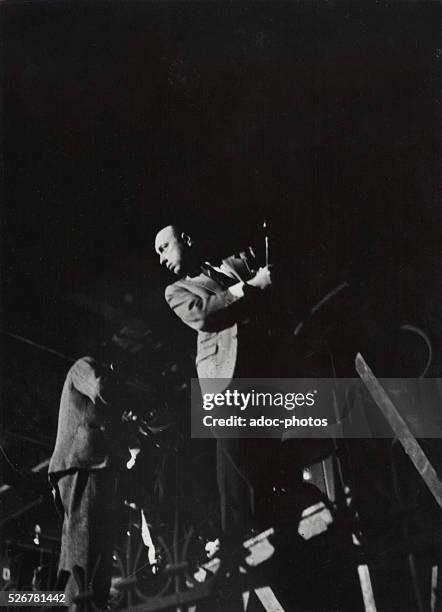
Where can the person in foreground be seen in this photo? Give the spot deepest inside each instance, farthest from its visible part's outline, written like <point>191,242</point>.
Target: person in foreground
<point>221,303</point>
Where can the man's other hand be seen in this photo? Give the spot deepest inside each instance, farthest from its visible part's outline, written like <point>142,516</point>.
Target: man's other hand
<point>262,279</point>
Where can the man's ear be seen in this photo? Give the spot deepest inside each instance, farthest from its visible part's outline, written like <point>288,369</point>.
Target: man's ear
<point>186,239</point>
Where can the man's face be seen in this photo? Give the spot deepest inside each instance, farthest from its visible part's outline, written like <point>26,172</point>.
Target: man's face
<point>172,249</point>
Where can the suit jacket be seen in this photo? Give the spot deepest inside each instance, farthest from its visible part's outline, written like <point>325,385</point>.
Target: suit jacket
<point>214,312</point>
<point>88,419</point>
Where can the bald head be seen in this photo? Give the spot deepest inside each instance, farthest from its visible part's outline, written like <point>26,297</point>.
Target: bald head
<point>174,250</point>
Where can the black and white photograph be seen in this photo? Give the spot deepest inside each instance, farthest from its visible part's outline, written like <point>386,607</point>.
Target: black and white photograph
<point>220,305</point>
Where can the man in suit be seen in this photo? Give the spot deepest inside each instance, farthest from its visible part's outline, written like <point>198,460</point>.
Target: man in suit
<point>221,304</point>
<point>212,300</point>
<point>90,448</point>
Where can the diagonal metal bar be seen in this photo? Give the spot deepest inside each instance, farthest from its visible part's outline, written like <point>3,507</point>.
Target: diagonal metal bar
<point>400,428</point>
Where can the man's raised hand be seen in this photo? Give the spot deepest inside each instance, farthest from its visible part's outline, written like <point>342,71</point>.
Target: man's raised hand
<point>262,279</point>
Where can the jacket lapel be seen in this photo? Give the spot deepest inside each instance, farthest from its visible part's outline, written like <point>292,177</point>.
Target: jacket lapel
<point>202,281</point>
<point>236,266</point>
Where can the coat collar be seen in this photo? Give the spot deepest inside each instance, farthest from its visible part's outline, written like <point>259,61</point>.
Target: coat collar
<point>236,266</point>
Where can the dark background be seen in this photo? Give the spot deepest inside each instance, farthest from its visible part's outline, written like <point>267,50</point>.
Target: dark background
<point>322,117</point>
<point>118,117</point>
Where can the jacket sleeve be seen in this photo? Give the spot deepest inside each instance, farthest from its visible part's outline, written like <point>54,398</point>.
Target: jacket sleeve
<point>88,378</point>
<point>211,312</point>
